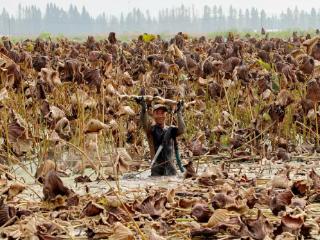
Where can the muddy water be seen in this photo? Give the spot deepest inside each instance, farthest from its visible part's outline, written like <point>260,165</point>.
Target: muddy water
<point>132,182</point>
<point>127,183</point>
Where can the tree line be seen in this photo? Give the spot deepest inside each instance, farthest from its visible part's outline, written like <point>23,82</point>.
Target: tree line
<point>31,21</point>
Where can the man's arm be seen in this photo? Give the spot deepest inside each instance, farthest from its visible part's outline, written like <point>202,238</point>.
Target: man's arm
<point>144,119</point>
<point>181,124</point>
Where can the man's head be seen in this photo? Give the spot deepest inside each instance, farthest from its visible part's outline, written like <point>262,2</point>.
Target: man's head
<point>159,114</point>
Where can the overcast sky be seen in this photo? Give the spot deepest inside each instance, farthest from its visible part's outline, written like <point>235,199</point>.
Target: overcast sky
<point>96,7</point>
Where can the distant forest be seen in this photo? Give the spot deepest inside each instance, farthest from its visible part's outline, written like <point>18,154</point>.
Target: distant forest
<point>30,21</point>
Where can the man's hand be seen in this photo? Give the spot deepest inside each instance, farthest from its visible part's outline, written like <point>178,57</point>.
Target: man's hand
<point>180,106</point>
<point>140,100</point>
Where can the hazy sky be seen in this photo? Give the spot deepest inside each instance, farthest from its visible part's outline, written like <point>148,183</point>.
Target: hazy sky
<point>96,7</point>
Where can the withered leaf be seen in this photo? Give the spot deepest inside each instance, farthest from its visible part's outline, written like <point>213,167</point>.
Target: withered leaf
<point>53,186</point>
<point>92,209</point>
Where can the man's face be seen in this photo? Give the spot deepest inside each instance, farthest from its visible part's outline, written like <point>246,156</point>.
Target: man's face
<point>159,116</point>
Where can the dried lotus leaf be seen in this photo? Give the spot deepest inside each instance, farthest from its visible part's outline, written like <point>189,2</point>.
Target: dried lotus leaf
<point>219,216</point>
<point>92,209</point>
<point>94,126</point>
<point>13,190</point>
<point>126,110</point>
<point>121,232</point>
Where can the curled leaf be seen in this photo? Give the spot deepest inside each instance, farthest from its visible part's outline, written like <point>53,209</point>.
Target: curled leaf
<point>219,216</point>
<point>121,232</point>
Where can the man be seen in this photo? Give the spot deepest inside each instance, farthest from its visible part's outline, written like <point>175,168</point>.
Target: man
<point>160,134</point>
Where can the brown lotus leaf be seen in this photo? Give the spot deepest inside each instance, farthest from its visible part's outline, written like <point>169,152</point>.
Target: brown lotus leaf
<point>126,110</point>
<point>298,202</point>
<point>312,46</point>
<point>92,209</point>
<point>170,195</point>
<point>216,91</point>
<point>300,187</point>
<point>6,213</point>
<point>94,56</point>
<point>154,236</point>
<point>121,232</point>
<point>219,216</point>
<point>70,71</point>
<point>22,146</point>
<point>207,179</point>
<point>315,178</point>
<point>94,126</point>
<point>306,64</point>
<point>201,212</point>
<point>316,72</point>
<point>44,168</point>
<point>315,197</point>
<point>280,181</point>
<point>280,200</point>
<point>80,97</point>
<point>202,81</point>
<point>92,77</point>
<point>23,213</point>
<point>39,62</point>
<point>98,232</point>
<point>13,190</point>
<point>283,154</point>
<point>196,147</point>
<point>284,98</point>
<point>54,137</point>
<point>111,90</point>
<point>63,128</point>
<point>152,206</point>
<point>315,53</point>
<point>309,42</point>
<point>110,201</point>
<point>313,91</point>
<point>55,114</point>
<point>112,38</point>
<point>204,233</point>
<point>120,165</point>
<point>53,186</point>
<point>259,228</point>
<point>15,131</point>
<point>50,76</point>
<point>73,200</point>
<point>239,206</point>
<point>219,130</point>
<point>266,94</point>
<point>3,94</point>
<point>3,182</point>
<point>175,51</point>
<point>221,200</point>
<point>218,171</point>
<point>252,199</point>
<point>186,203</point>
<point>82,179</point>
<point>117,214</point>
<point>276,112</point>
<point>307,105</point>
<point>286,236</point>
<point>190,172</point>
<point>127,79</point>
<point>292,222</point>
<point>48,232</point>
<point>113,124</point>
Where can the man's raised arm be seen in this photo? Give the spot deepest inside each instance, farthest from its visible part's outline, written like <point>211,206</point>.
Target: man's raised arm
<point>181,124</point>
